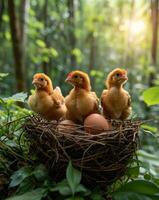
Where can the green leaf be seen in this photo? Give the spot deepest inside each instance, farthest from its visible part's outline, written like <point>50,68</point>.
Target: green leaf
<point>130,196</point>
<point>11,143</point>
<point>82,189</point>
<point>133,172</point>
<point>77,52</point>
<point>40,172</point>
<point>63,188</point>
<point>17,97</point>
<point>73,177</point>
<point>147,156</point>
<point>19,176</point>
<point>36,194</point>
<point>5,18</point>
<point>26,185</point>
<point>2,75</point>
<point>53,52</point>
<point>140,186</point>
<point>147,176</point>
<point>151,96</point>
<point>40,43</point>
<point>8,35</point>
<point>149,128</point>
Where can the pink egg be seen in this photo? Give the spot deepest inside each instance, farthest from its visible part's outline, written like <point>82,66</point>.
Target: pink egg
<point>96,123</point>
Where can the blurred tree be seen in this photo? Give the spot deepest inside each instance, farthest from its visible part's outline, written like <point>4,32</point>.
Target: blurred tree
<point>24,6</point>
<point>72,37</point>
<point>93,49</point>
<point>45,18</point>
<point>1,11</point>
<point>17,28</point>
<point>154,19</point>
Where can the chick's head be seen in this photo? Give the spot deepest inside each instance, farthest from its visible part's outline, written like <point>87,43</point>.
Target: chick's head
<point>79,79</point>
<point>42,82</point>
<point>117,77</point>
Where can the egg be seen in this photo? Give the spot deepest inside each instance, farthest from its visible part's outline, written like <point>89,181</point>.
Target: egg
<point>66,126</point>
<point>96,123</point>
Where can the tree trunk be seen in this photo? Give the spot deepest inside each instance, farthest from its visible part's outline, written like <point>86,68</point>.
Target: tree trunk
<point>23,18</point>
<point>154,18</point>
<point>93,47</point>
<point>45,66</point>
<point>1,11</point>
<point>72,38</point>
<point>18,47</point>
<point>24,7</point>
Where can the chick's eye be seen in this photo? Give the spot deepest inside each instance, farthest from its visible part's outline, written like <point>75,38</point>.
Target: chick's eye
<point>117,75</point>
<point>41,79</point>
<point>76,76</point>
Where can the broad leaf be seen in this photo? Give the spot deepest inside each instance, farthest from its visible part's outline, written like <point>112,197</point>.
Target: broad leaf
<point>40,43</point>
<point>148,157</point>
<point>140,186</point>
<point>133,172</point>
<point>73,177</point>
<point>53,52</point>
<point>40,172</point>
<point>81,189</point>
<point>19,176</point>
<point>17,97</point>
<point>151,96</point>
<point>63,188</point>
<point>149,128</point>
<point>36,194</point>
<point>26,185</point>
<point>147,176</point>
<point>2,75</point>
<point>131,196</point>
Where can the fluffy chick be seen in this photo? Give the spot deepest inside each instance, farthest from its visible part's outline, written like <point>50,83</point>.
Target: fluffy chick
<point>116,101</point>
<point>46,101</point>
<point>81,101</point>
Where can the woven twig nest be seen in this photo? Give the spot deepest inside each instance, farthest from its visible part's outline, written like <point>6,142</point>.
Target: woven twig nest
<point>102,158</point>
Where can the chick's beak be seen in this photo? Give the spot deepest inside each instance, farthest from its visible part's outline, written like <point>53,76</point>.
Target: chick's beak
<point>68,79</point>
<point>124,77</point>
<point>34,81</point>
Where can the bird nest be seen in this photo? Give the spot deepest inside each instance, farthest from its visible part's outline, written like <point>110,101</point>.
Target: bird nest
<point>103,158</point>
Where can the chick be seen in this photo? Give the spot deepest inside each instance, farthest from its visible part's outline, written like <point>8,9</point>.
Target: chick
<point>116,101</point>
<point>81,101</point>
<point>46,101</point>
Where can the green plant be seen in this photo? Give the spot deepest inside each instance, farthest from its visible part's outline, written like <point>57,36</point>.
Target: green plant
<point>34,182</point>
<point>137,190</point>
<point>71,186</point>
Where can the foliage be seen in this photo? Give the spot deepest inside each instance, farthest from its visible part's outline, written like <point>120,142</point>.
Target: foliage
<point>34,182</point>
<point>20,97</point>
<point>2,75</point>
<point>138,189</point>
<point>151,96</point>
